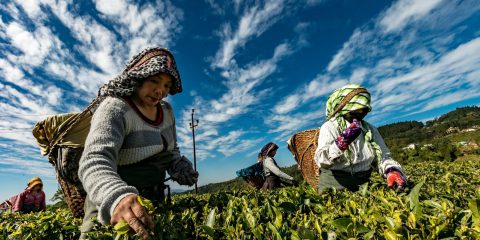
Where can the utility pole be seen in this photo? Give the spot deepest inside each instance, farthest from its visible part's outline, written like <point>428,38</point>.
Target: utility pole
<point>193,125</point>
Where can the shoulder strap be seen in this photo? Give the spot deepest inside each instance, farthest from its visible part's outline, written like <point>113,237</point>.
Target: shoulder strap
<point>346,99</point>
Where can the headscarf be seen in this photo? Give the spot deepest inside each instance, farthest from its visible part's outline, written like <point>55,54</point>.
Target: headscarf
<point>358,101</point>
<point>149,62</point>
<point>34,182</point>
<point>266,150</point>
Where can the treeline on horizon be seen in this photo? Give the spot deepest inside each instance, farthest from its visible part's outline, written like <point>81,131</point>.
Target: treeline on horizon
<point>433,144</point>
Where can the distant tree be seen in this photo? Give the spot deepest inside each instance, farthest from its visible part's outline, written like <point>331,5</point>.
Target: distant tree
<point>58,200</point>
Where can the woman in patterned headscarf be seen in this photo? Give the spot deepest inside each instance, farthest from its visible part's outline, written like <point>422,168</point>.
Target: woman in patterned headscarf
<point>348,145</point>
<point>132,143</point>
<point>271,169</point>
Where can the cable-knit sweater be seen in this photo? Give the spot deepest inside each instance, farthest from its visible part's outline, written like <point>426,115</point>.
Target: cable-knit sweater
<point>120,135</point>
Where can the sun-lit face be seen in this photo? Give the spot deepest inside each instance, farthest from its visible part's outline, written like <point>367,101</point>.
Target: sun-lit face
<point>37,188</point>
<point>154,89</point>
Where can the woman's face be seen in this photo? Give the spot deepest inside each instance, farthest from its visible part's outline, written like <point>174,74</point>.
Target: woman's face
<point>154,89</point>
<point>358,114</point>
<point>272,153</point>
<point>37,188</point>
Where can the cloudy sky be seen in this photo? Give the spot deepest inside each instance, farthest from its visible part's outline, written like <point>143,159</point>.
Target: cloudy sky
<point>255,71</point>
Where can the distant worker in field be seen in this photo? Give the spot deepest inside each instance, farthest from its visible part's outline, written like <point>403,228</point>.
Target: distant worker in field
<point>273,174</point>
<point>30,200</point>
<point>349,146</point>
<point>132,143</point>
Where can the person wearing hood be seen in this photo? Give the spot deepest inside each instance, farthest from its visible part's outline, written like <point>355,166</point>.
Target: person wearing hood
<point>349,147</point>
<point>30,200</point>
<point>132,143</point>
<point>273,174</point>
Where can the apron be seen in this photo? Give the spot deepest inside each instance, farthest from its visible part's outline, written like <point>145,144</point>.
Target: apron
<point>340,180</point>
<point>147,176</point>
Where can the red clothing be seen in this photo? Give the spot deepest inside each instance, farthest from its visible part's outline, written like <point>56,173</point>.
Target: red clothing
<point>29,197</point>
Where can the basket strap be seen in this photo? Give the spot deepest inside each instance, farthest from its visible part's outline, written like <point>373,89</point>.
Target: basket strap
<point>346,99</point>
<point>59,136</point>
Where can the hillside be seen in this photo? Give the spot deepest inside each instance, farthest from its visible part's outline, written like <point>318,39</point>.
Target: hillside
<point>239,183</point>
<point>403,133</point>
<point>441,146</point>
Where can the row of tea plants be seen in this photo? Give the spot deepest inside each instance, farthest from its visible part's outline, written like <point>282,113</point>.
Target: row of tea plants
<point>442,202</point>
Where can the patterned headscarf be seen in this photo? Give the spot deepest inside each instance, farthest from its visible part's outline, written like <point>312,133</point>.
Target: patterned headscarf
<point>358,101</point>
<point>149,62</point>
<point>266,150</point>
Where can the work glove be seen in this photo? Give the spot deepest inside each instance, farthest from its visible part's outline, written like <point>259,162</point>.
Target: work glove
<point>348,135</point>
<point>396,180</point>
<point>182,172</point>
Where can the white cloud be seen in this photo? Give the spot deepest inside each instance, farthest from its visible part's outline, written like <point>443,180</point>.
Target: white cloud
<point>288,124</point>
<point>253,23</point>
<point>404,12</point>
<point>405,71</point>
<point>153,23</point>
<point>34,45</point>
<point>341,56</point>
<point>322,85</point>
<point>426,86</point>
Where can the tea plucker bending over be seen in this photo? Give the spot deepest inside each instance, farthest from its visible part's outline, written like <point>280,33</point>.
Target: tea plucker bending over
<point>132,143</point>
<point>349,146</point>
<point>272,172</point>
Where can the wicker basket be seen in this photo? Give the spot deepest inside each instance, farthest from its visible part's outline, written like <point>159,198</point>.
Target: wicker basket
<point>74,197</point>
<point>255,181</point>
<point>303,145</point>
<point>66,167</point>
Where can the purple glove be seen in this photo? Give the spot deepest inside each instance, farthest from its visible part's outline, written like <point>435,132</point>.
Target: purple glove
<point>348,135</point>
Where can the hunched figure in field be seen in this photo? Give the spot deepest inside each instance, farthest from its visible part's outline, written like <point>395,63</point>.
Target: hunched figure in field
<point>348,146</point>
<point>132,143</point>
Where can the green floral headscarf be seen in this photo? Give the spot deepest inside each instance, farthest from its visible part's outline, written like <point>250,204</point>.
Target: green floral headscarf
<point>359,101</point>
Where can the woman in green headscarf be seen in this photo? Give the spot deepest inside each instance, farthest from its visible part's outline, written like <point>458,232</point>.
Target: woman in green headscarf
<point>348,146</point>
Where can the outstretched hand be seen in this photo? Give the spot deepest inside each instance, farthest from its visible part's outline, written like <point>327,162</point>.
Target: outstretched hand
<point>395,179</point>
<point>130,210</point>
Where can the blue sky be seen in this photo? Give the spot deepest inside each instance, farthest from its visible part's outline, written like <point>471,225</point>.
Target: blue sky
<point>255,71</point>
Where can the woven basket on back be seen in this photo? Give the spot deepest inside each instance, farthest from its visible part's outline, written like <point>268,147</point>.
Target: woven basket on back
<point>303,145</point>
<point>62,139</point>
<point>255,181</point>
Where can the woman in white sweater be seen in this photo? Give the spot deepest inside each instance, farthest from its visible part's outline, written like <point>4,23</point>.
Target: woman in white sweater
<point>349,147</point>
<point>272,172</point>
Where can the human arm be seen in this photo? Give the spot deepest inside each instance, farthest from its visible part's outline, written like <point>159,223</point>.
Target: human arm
<point>98,165</point>
<point>17,204</point>
<point>327,152</point>
<point>387,167</point>
<point>268,163</point>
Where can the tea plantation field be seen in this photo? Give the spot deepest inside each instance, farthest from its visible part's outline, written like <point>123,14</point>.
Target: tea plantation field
<point>442,203</point>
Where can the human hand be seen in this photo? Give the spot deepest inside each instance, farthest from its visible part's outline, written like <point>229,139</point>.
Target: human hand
<point>395,179</point>
<point>183,172</point>
<point>349,135</point>
<point>133,213</point>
